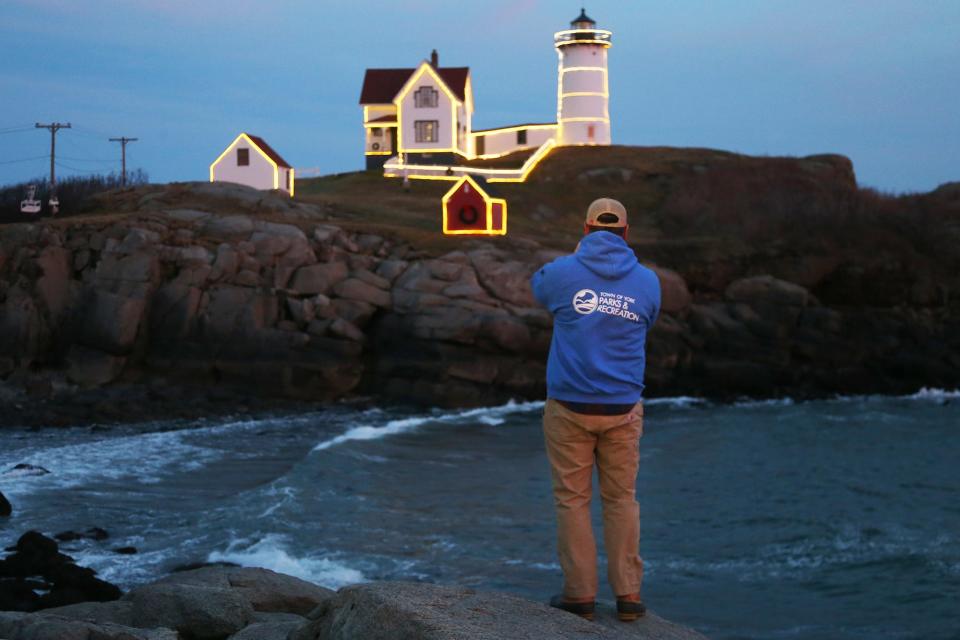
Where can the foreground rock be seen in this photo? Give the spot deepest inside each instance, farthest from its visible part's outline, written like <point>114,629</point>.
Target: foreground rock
<point>210,603</point>
<point>5,508</point>
<point>263,590</point>
<point>408,611</point>
<point>204,613</point>
<point>23,626</point>
<point>233,603</point>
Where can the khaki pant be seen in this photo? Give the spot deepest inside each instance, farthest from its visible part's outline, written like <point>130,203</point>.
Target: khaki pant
<point>574,443</point>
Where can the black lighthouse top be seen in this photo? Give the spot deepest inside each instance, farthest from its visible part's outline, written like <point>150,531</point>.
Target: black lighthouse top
<point>583,31</point>
<point>583,21</point>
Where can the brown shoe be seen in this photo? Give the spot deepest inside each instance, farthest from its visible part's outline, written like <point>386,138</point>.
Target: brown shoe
<point>583,609</point>
<point>630,610</point>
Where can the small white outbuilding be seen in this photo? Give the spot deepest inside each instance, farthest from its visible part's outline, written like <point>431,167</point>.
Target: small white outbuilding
<point>251,161</point>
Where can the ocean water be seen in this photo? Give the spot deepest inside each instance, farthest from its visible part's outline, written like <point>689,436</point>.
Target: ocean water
<point>825,519</point>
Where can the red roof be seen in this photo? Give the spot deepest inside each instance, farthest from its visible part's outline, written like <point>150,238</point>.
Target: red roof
<point>267,149</point>
<point>456,79</point>
<point>381,86</point>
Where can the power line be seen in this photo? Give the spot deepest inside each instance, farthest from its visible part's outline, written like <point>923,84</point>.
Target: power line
<point>66,166</point>
<point>15,130</point>
<point>91,133</point>
<point>88,134</point>
<point>97,160</point>
<point>24,160</point>
<point>123,154</point>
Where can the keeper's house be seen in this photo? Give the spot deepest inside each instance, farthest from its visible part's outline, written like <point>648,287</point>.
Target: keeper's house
<point>251,161</point>
<point>423,113</point>
<point>418,123</point>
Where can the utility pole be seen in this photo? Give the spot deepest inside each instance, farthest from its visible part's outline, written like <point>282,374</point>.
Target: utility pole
<point>123,155</point>
<point>53,127</point>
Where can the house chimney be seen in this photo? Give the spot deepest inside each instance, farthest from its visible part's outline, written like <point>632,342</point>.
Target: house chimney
<point>434,59</point>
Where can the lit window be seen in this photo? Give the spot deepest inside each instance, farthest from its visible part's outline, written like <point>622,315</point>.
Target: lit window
<point>522,136</point>
<point>426,130</point>
<point>425,97</point>
<point>243,157</point>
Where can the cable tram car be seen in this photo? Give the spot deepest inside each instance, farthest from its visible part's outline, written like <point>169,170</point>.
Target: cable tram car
<point>31,204</point>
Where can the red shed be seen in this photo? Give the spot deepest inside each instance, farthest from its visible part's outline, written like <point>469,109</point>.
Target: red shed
<point>472,207</point>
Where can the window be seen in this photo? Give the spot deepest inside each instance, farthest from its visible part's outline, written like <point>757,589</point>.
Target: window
<point>480,142</point>
<point>591,130</point>
<point>289,180</point>
<point>243,157</point>
<point>425,97</point>
<point>426,130</point>
<point>522,136</point>
<point>377,132</point>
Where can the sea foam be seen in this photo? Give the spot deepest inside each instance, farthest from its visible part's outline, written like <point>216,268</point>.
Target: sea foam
<point>675,401</point>
<point>145,457</point>
<point>485,415</point>
<point>934,394</point>
<point>270,552</point>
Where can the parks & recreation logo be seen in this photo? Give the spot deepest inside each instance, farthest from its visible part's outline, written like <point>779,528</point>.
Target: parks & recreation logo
<point>585,301</point>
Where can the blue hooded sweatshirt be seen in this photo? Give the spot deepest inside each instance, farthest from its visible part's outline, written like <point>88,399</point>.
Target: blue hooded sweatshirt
<point>603,302</point>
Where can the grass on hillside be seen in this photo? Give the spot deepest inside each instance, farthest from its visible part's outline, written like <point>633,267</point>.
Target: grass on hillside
<point>549,207</point>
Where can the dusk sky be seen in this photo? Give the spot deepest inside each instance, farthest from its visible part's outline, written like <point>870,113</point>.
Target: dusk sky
<point>876,80</point>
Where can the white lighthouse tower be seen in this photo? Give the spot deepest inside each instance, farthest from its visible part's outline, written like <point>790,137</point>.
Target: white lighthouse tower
<point>583,89</point>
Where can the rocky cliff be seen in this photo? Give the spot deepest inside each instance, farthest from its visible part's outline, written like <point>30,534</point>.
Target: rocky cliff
<point>323,297</point>
<point>299,307</point>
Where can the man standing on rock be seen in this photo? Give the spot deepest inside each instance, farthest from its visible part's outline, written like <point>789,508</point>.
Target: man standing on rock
<point>603,302</point>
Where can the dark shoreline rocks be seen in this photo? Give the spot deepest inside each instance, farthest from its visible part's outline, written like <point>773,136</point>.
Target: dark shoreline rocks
<point>233,603</point>
<point>274,299</point>
<point>36,565</point>
<point>156,400</point>
<point>93,533</point>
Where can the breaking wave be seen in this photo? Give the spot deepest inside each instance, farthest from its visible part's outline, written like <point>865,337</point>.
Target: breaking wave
<point>270,552</point>
<point>486,415</point>
<point>934,394</point>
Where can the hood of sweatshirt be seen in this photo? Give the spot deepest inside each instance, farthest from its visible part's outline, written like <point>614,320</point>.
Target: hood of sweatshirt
<point>606,255</point>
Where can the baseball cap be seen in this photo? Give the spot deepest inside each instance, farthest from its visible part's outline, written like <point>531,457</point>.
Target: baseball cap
<point>606,212</point>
